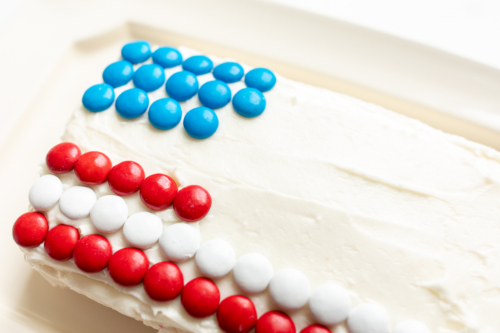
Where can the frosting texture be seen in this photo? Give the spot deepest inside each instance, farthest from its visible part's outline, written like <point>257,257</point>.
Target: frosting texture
<point>344,191</point>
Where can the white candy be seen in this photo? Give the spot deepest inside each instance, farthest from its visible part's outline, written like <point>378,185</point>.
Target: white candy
<point>45,193</point>
<point>289,289</point>
<point>77,202</point>
<point>252,273</point>
<point>109,213</point>
<point>180,241</point>
<point>411,326</point>
<point>142,230</point>
<point>330,304</point>
<point>368,318</point>
<point>215,258</point>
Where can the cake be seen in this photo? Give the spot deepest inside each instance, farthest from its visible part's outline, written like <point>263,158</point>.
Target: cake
<point>288,208</point>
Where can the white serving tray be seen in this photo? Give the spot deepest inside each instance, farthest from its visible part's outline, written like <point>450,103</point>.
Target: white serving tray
<point>51,51</point>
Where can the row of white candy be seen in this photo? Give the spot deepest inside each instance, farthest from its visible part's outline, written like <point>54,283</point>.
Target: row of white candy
<point>110,213</point>
<point>253,273</point>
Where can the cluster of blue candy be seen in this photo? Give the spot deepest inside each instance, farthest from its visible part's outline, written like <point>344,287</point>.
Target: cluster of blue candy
<point>166,113</point>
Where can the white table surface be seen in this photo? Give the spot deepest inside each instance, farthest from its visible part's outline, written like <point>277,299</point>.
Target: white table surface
<point>468,28</point>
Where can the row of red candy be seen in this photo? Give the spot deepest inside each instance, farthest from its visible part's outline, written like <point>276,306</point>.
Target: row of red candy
<point>157,191</point>
<point>162,282</point>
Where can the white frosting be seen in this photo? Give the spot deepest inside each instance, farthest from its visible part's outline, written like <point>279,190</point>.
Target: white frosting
<point>215,258</point>
<point>411,326</point>
<point>389,208</point>
<point>330,304</point>
<point>289,289</point>
<point>179,242</point>
<point>77,202</point>
<point>142,230</point>
<point>368,318</point>
<point>252,273</point>
<point>109,213</point>
<point>45,192</point>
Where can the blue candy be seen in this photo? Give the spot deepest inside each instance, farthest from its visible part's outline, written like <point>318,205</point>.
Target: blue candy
<point>198,65</point>
<point>136,52</point>
<point>132,103</point>
<point>118,73</point>
<point>165,113</point>
<point>260,78</point>
<point>98,97</point>
<point>249,102</point>
<point>214,94</point>
<point>229,72</point>
<point>181,86</point>
<point>201,122</point>
<point>167,57</point>
<point>149,77</point>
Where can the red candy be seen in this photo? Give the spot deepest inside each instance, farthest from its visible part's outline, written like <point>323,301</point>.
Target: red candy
<point>128,266</point>
<point>92,253</point>
<point>200,297</point>
<point>92,168</point>
<point>158,191</point>
<point>163,281</point>
<point>30,229</point>
<point>62,158</point>
<point>236,314</point>
<point>126,178</point>
<point>274,322</point>
<point>61,241</point>
<point>315,329</point>
<point>192,203</point>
